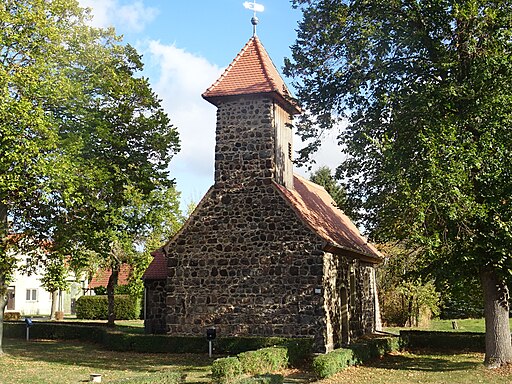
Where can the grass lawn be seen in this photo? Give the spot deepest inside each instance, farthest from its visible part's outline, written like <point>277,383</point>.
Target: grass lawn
<point>409,368</point>
<point>51,361</point>
<point>465,325</point>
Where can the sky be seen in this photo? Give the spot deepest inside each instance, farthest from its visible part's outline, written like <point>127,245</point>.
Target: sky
<point>186,45</point>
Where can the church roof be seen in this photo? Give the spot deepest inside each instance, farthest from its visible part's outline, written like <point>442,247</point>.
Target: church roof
<point>318,210</point>
<point>157,269</point>
<point>251,72</point>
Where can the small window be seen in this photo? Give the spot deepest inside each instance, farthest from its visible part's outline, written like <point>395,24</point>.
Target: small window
<point>31,295</point>
<point>290,151</point>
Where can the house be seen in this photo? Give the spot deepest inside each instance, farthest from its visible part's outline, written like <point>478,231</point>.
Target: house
<point>102,275</point>
<point>265,252</point>
<point>26,295</point>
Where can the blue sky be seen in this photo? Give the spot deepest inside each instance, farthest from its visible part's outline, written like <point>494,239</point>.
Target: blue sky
<point>186,45</point>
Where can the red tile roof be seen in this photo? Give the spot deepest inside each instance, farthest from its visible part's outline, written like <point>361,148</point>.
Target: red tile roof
<point>157,269</point>
<point>318,210</point>
<point>100,278</point>
<point>251,72</point>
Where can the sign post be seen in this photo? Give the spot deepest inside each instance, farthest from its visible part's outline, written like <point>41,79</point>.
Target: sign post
<point>211,334</point>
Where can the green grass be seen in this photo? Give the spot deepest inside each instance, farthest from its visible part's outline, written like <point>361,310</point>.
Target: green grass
<point>409,368</point>
<point>465,325</point>
<point>51,361</point>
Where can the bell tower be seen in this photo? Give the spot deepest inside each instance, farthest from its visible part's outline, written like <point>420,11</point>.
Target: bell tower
<point>253,135</point>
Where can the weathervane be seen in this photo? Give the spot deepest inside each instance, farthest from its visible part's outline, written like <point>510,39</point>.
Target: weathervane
<point>255,7</point>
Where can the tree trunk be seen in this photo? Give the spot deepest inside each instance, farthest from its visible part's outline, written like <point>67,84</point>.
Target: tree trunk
<point>3,304</point>
<point>498,346</point>
<point>54,304</point>
<point>112,283</point>
<point>4,232</point>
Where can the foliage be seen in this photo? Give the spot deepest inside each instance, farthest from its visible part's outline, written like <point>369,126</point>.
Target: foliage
<point>161,377</point>
<point>405,299</point>
<point>12,316</point>
<point>262,379</point>
<point>96,307</point>
<point>264,360</point>
<point>226,370</point>
<point>362,351</point>
<point>426,90</point>
<point>447,341</point>
<point>323,176</point>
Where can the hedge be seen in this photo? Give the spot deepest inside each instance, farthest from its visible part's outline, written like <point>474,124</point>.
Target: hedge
<point>444,340</point>
<point>226,370</point>
<point>261,362</point>
<point>265,360</point>
<point>298,349</point>
<point>126,307</point>
<point>161,378</point>
<point>361,351</point>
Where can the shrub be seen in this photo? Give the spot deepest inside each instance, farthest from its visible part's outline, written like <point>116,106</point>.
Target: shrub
<point>12,316</point>
<point>96,307</point>
<point>357,353</point>
<point>333,362</point>
<point>451,341</point>
<point>161,378</point>
<point>262,379</point>
<point>264,360</point>
<point>226,370</point>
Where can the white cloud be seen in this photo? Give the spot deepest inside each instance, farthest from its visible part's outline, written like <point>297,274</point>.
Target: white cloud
<point>181,79</point>
<point>132,16</point>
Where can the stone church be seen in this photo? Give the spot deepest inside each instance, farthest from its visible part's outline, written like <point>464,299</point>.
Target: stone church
<point>266,252</point>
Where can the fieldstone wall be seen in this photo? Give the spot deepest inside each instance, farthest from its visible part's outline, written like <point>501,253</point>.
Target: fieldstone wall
<point>248,266</point>
<point>245,262</point>
<point>155,301</point>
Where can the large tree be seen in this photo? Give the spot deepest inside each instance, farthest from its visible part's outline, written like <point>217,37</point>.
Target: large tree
<point>84,143</point>
<point>426,88</point>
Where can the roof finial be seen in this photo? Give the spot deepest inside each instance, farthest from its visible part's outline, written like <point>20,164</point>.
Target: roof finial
<point>255,7</point>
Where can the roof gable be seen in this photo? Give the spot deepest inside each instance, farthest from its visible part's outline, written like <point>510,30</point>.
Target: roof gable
<point>317,208</point>
<point>157,269</point>
<point>251,72</point>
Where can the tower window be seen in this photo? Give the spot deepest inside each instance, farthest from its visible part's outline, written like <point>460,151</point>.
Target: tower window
<point>290,151</point>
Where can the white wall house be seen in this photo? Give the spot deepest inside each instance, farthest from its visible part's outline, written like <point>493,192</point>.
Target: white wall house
<point>27,296</point>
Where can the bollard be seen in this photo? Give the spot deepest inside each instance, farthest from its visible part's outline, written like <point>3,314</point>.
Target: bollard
<point>211,334</point>
<point>28,322</point>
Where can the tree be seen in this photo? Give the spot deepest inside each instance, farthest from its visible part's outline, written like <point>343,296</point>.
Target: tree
<point>84,142</point>
<point>54,278</point>
<point>122,143</point>
<point>33,56</point>
<point>323,176</point>
<point>426,89</point>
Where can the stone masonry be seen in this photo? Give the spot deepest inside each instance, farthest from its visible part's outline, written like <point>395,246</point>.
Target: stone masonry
<point>250,260</point>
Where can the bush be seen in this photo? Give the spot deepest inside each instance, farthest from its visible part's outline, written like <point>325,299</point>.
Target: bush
<point>333,362</point>
<point>161,378</point>
<point>264,360</point>
<point>357,353</point>
<point>262,379</point>
<point>12,316</point>
<point>96,307</point>
<point>447,341</point>
<point>226,370</point>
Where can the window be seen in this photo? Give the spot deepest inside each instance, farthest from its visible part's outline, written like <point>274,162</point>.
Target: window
<point>31,295</point>
<point>290,153</point>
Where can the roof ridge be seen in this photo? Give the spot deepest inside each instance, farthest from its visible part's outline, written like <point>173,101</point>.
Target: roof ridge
<point>270,79</point>
<point>231,65</point>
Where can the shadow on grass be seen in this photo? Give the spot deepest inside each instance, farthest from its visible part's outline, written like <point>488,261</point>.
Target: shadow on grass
<point>94,356</point>
<point>424,362</point>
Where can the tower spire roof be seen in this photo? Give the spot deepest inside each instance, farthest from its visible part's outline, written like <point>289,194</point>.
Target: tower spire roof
<point>251,72</point>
